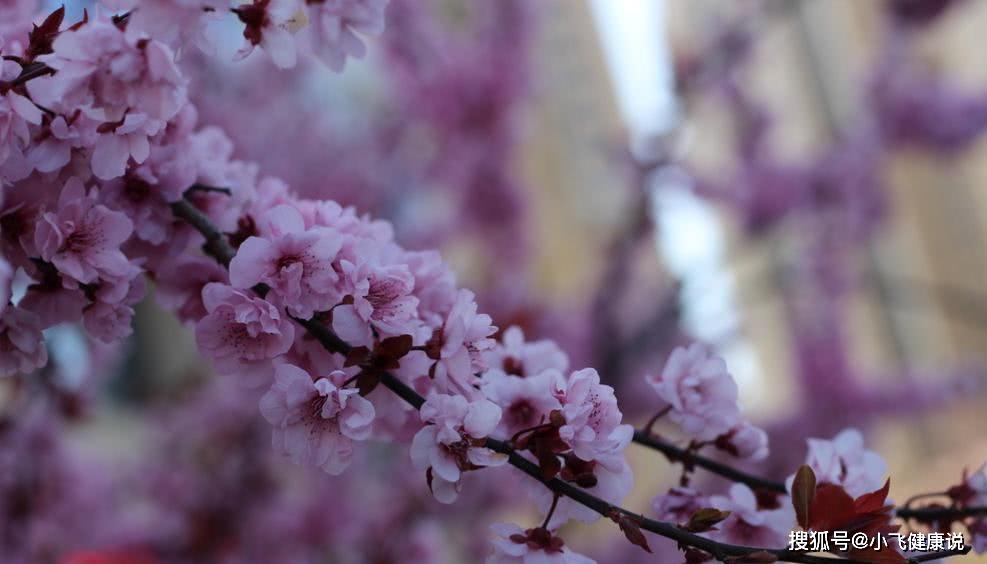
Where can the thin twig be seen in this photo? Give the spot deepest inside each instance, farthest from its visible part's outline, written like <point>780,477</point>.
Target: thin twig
<point>678,454</point>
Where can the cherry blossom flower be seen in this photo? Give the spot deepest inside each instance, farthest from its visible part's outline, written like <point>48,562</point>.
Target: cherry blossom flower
<point>179,289</point>
<point>242,334</point>
<point>748,525</point>
<point>592,419</point>
<point>525,402</point>
<point>435,286</point>
<point>82,238</point>
<point>381,296</point>
<point>174,22</point>
<point>128,140</point>
<point>844,461</point>
<point>518,357</point>
<point>515,545</point>
<point>108,322</point>
<point>22,347</point>
<point>978,535</point>
<point>745,441</point>
<point>296,263</point>
<point>452,441</point>
<point>977,482</point>
<point>316,422</point>
<point>271,24</point>
<point>52,149</point>
<point>107,74</point>
<point>701,392</point>
<point>972,492</point>
<point>16,112</point>
<point>335,24</point>
<point>457,346</point>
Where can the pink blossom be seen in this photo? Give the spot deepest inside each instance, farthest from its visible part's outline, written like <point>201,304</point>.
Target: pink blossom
<point>179,288</point>
<point>296,263</point>
<point>745,441</point>
<point>108,322</point>
<point>334,26</point>
<point>701,392</point>
<point>592,419</point>
<point>515,545</point>
<point>977,484</point>
<point>679,504</point>
<point>458,345</point>
<point>16,112</point>
<point>109,74</point>
<point>451,441</point>
<point>82,238</point>
<point>845,462</point>
<point>381,296</point>
<point>52,149</point>
<point>242,334</point>
<point>748,525</point>
<point>525,402</point>
<point>271,24</point>
<point>435,286</point>
<point>128,140</point>
<point>518,357</point>
<point>175,22</point>
<point>978,535</point>
<point>316,422</point>
<point>22,347</point>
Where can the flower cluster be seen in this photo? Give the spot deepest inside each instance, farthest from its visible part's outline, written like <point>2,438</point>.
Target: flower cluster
<point>701,397</point>
<point>843,461</point>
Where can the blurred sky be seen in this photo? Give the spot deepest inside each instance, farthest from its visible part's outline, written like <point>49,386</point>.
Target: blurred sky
<point>690,237</point>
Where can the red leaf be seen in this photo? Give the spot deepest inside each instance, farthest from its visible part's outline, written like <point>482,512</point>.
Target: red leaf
<point>395,347</point>
<point>831,508</point>
<point>803,493</point>
<point>631,529</point>
<point>873,502</point>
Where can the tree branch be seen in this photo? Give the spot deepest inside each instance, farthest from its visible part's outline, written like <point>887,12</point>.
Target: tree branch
<point>678,454</point>
<point>216,244</point>
<point>219,248</point>
<point>29,72</point>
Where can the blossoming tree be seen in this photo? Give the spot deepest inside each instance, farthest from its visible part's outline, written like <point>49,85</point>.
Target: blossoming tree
<point>317,318</point>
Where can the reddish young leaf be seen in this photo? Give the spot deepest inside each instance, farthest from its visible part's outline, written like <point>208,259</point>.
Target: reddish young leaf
<point>630,529</point>
<point>831,509</point>
<point>705,519</point>
<point>803,492</point>
<point>873,502</point>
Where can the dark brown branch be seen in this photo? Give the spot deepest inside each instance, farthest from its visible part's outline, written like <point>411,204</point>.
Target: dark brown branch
<point>31,71</point>
<point>216,244</point>
<point>678,454</point>
<point>220,249</point>
<point>930,514</point>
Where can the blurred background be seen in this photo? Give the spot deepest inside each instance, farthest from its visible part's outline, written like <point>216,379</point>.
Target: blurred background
<point>798,183</point>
